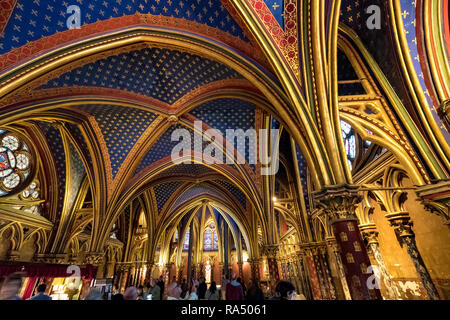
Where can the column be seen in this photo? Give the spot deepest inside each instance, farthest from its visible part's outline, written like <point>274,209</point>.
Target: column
<point>332,244</point>
<point>241,270</point>
<point>123,283</point>
<point>191,242</point>
<point>180,273</point>
<point>313,276</point>
<point>323,259</point>
<point>254,269</point>
<point>168,275</point>
<point>199,270</point>
<point>271,254</point>
<point>403,228</point>
<point>304,278</point>
<point>371,235</point>
<point>339,204</point>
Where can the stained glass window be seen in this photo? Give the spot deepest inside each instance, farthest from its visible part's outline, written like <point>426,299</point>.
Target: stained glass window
<point>186,241</point>
<point>348,134</point>
<point>207,243</point>
<point>216,241</point>
<point>15,163</point>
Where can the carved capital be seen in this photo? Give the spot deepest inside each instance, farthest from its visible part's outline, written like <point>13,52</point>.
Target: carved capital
<point>52,258</point>
<point>94,258</point>
<point>402,224</point>
<point>271,251</point>
<point>369,233</point>
<point>436,198</point>
<point>444,113</point>
<point>338,202</point>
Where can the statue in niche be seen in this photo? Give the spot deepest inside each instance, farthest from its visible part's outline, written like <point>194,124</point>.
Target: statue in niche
<point>208,272</point>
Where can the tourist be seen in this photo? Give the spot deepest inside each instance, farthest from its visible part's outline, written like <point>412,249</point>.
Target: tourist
<point>284,291</point>
<point>174,291</point>
<point>94,294</point>
<point>244,288</point>
<point>155,290</point>
<point>223,287</point>
<point>130,294</point>
<point>160,284</point>
<point>141,292</point>
<point>117,297</point>
<point>234,290</point>
<point>193,292</point>
<point>184,288</point>
<point>202,289</point>
<point>11,287</point>
<point>254,292</point>
<point>40,293</point>
<point>212,293</point>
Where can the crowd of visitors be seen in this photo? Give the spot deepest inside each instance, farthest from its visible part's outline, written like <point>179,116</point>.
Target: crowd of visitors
<point>232,289</point>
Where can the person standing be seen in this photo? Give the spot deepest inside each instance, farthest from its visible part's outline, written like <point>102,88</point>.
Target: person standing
<point>11,287</point>
<point>202,289</point>
<point>160,284</point>
<point>234,290</point>
<point>223,287</point>
<point>40,293</point>
<point>254,292</point>
<point>155,290</point>
<point>212,293</point>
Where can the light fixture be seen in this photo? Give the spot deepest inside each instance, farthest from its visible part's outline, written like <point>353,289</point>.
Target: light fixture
<point>274,199</point>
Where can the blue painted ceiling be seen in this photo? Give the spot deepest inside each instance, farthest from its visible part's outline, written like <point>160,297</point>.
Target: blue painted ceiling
<point>35,19</point>
<point>164,191</point>
<point>234,114</point>
<point>121,128</point>
<point>162,74</point>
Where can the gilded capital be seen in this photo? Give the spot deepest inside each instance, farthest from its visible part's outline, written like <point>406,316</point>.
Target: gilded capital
<point>402,224</point>
<point>338,202</point>
<point>271,251</point>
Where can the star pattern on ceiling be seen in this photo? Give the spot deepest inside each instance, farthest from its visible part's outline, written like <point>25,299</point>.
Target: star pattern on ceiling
<point>164,191</point>
<point>121,128</point>
<point>163,74</point>
<point>55,144</point>
<point>35,19</point>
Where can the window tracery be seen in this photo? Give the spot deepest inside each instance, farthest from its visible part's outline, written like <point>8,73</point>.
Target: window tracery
<point>16,163</point>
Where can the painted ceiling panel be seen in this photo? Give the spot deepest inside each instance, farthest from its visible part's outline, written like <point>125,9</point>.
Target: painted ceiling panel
<point>55,143</point>
<point>235,191</point>
<point>234,114</point>
<point>277,9</point>
<point>346,72</point>
<point>302,168</point>
<point>34,19</point>
<point>77,173</point>
<point>193,169</point>
<point>196,191</point>
<point>78,136</point>
<point>164,191</point>
<point>121,128</point>
<point>410,24</point>
<point>162,74</point>
<point>164,146</point>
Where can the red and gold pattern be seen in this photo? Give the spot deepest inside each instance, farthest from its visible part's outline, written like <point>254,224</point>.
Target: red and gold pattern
<point>355,258</point>
<point>286,40</point>
<point>47,43</point>
<point>6,9</point>
<point>314,278</point>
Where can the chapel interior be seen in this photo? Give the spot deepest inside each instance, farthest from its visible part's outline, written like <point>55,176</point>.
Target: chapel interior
<point>356,209</point>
